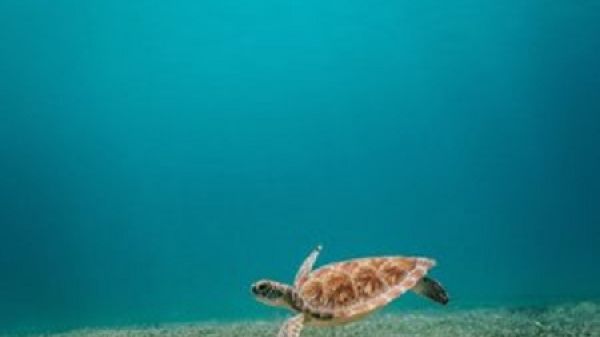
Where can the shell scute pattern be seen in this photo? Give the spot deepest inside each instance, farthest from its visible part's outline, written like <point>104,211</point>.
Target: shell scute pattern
<point>395,271</point>
<point>329,290</point>
<point>339,289</point>
<point>312,292</point>
<point>359,286</point>
<point>349,267</point>
<point>368,283</point>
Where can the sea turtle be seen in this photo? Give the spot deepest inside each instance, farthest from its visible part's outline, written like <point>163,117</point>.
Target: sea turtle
<point>344,292</point>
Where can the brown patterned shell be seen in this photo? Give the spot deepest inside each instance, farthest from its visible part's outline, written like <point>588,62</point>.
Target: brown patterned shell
<point>357,287</point>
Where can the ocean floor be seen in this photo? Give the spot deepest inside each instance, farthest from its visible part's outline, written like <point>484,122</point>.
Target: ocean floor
<point>579,319</point>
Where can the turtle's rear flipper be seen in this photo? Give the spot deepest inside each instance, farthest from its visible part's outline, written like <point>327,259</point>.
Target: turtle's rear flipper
<point>431,289</point>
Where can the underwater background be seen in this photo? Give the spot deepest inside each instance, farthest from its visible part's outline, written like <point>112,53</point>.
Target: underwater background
<point>158,157</point>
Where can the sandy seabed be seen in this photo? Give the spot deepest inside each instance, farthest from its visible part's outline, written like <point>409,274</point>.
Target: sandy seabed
<point>579,319</point>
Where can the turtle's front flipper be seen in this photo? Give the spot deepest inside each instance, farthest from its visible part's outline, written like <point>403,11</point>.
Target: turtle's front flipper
<point>306,267</point>
<point>292,327</point>
<point>432,289</point>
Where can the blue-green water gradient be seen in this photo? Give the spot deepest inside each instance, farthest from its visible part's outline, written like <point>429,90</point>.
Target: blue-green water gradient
<point>159,156</point>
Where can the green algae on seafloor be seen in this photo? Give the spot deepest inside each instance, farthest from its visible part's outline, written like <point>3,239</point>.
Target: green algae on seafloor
<point>582,319</point>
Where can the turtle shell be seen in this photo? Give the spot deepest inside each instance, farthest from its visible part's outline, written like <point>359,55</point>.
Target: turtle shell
<point>354,288</point>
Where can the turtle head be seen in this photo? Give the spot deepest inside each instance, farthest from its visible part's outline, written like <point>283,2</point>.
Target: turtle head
<point>271,292</point>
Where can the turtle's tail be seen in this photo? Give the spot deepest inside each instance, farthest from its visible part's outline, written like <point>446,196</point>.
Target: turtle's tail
<point>432,289</point>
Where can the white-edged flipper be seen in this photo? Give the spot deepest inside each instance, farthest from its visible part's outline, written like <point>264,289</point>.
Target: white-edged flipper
<point>307,267</point>
<point>292,327</point>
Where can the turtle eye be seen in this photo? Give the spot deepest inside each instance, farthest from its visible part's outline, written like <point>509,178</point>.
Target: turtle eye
<point>262,287</point>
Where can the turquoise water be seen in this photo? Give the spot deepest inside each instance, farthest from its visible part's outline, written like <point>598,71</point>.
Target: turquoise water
<point>157,157</point>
